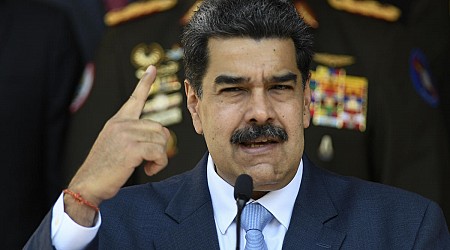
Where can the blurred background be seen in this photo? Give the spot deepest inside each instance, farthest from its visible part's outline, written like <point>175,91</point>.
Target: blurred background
<point>380,81</point>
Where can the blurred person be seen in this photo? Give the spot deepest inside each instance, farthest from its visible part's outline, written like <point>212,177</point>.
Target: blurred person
<point>124,53</point>
<point>39,66</point>
<point>379,76</point>
<point>86,17</point>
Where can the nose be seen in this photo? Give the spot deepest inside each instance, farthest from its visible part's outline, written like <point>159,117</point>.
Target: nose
<point>260,109</point>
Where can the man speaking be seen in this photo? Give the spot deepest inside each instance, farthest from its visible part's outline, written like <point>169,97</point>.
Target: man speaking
<point>247,87</point>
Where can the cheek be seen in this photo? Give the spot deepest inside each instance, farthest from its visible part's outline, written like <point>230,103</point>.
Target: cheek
<point>217,121</point>
<point>291,116</point>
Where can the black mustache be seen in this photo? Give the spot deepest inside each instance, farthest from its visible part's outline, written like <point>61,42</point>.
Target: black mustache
<point>253,132</point>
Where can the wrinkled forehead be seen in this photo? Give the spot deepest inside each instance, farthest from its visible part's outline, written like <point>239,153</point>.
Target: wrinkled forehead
<point>248,56</point>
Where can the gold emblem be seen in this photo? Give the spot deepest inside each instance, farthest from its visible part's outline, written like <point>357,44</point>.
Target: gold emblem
<point>307,14</point>
<point>164,102</point>
<point>165,117</point>
<point>165,99</point>
<point>166,63</point>
<point>325,150</point>
<point>334,61</point>
<point>137,9</point>
<point>142,55</point>
<point>370,8</point>
<point>185,19</point>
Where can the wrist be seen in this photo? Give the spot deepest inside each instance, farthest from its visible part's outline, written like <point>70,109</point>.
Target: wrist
<point>78,198</point>
<point>86,190</point>
<point>80,213</point>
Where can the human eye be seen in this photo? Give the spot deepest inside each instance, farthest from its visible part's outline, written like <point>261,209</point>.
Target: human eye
<point>281,87</point>
<point>231,89</point>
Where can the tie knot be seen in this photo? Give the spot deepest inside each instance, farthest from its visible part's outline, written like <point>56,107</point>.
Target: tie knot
<point>255,216</point>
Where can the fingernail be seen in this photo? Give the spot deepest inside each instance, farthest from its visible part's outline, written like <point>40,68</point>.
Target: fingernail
<point>149,68</point>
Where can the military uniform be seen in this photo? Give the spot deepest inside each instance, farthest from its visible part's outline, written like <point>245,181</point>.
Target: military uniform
<point>87,19</point>
<point>377,81</point>
<point>140,34</point>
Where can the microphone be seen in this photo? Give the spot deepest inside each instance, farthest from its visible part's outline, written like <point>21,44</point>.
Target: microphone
<point>243,189</point>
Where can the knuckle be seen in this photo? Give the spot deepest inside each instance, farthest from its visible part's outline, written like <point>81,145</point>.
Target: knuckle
<point>156,126</point>
<point>112,124</point>
<point>156,152</point>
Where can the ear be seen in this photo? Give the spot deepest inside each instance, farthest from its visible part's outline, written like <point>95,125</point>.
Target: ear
<point>306,102</point>
<point>193,105</point>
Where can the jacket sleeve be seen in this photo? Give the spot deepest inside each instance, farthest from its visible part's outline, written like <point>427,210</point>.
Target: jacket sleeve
<point>41,238</point>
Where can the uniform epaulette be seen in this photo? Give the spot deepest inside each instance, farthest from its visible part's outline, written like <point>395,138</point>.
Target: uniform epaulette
<point>305,11</point>
<point>188,15</point>
<point>370,8</point>
<point>137,9</point>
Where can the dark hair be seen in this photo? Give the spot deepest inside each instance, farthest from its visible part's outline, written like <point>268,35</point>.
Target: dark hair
<point>255,19</point>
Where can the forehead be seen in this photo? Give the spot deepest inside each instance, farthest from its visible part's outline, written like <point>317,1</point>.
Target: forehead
<point>245,55</point>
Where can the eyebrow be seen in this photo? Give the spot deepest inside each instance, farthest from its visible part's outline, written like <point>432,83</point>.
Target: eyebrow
<point>227,79</point>
<point>285,78</point>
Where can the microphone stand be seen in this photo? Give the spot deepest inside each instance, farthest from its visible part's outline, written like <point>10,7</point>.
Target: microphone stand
<point>243,189</point>
<point>240,206</point>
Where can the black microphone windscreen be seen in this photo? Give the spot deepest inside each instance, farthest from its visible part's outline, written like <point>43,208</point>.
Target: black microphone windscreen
<point>243,187</point>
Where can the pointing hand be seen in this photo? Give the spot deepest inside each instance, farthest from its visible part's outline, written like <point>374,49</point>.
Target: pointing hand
<point>123,144</point>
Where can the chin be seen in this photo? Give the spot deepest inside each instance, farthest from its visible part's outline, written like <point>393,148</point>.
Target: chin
<point>266,183</point>
<point>266,178</point>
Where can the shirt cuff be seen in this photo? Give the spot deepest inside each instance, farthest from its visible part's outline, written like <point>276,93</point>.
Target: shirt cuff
<point>66,233</point>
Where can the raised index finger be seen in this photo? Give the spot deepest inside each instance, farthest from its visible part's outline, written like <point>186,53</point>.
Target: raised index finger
<point>132,108</point>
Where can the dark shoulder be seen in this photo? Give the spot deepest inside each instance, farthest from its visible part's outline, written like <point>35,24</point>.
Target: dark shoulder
<point>346,189</point>
<point>147,194</point>
<point>375,204</point>
<point>34,10</point>
<point>383,214</point>
<point>155,196</point>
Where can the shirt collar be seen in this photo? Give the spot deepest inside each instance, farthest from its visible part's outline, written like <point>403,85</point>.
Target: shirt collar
<point>224,205</point>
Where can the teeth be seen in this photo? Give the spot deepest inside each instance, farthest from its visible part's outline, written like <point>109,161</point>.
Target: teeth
<point>257,144</point>
<point>261,141</point>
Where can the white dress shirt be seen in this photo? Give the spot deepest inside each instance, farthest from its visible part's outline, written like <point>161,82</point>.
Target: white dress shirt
<point>68,235</point>
<point>225,209</point>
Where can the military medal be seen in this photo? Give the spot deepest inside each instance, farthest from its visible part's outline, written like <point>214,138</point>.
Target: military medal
<point>326,150</point>
<point>338,100</point>
<point>165,99</point>
<point>422,79</point>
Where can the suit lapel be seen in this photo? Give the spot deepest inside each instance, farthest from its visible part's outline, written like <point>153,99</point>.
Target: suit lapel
<point>191,208</point>
<point>312,210</point>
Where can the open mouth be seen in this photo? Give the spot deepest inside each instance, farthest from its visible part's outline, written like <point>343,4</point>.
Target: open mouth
<point>259,143</point>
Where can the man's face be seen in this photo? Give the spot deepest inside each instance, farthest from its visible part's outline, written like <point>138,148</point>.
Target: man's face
<point>249,83</point>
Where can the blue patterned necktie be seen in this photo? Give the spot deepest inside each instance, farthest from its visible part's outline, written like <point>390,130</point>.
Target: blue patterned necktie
<point>254,218</point>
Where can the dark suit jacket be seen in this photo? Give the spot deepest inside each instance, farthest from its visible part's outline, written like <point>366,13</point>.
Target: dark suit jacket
<point>39,69</point>
<point>331,212</point>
